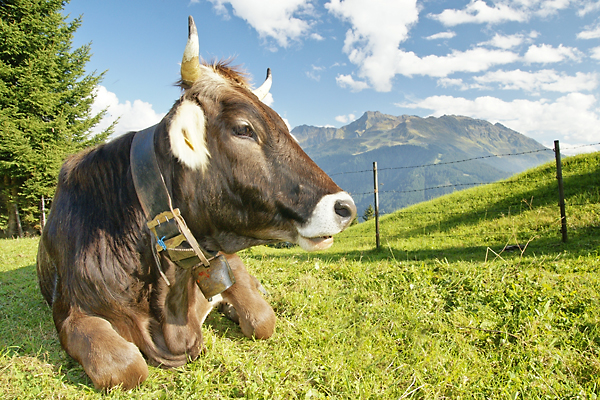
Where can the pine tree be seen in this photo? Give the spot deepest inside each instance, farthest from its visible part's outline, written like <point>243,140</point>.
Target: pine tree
<point>45,104</point>
<point>369,213</point>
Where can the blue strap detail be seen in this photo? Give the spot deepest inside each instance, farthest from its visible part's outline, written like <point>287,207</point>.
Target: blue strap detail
<point>161,243</point>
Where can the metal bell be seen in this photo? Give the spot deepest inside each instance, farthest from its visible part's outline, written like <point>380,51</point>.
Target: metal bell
<point>215,278</point>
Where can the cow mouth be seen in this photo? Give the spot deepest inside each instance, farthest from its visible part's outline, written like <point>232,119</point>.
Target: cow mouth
<point>315,243</point>
<point>332,214</point>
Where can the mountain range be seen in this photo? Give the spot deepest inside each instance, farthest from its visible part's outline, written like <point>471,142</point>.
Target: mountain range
<point>415,154</point>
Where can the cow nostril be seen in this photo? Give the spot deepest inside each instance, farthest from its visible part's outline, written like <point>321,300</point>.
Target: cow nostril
<point>342,210</point>
<point>345,209</point>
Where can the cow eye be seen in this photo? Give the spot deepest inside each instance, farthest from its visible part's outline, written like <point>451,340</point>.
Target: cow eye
<point>244,131</point>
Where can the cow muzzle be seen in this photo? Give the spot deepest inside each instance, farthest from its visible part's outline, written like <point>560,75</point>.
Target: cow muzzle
<point>332,214</point>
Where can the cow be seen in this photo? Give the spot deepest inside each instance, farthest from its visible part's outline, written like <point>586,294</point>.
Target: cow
<point>142,236</point>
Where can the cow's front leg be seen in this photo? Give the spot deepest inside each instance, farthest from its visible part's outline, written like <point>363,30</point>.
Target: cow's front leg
<point>184,311</point>
<point>253,313</point>
<point>107,358</point>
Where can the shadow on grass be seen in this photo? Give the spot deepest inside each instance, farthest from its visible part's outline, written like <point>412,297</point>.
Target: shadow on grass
<point>582,242</point>
<point>25,318</point>
<point>223,326</point>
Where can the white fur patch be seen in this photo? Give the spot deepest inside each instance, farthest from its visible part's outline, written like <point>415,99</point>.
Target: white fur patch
<point>215,301</point>
<point>187,135</point>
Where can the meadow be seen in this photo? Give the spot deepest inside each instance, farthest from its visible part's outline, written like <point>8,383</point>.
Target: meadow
<point>472,295</point>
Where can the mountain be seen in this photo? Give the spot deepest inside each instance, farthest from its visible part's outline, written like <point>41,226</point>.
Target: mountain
<point>398,144</point>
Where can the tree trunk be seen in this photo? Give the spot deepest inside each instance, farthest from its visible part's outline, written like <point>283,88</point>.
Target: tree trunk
<point>14,220</point>
<point>15,228</point>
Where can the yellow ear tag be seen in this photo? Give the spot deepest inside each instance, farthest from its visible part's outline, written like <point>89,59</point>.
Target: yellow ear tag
<point>187,141</point>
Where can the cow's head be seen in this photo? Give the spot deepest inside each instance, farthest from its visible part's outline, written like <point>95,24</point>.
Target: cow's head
<point>237,174</point>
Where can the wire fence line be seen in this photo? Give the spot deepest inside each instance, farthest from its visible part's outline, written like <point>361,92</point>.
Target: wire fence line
<point>492,213</point>
<point>464,160</point>
<point>500,182</point>
<point>451,185</point>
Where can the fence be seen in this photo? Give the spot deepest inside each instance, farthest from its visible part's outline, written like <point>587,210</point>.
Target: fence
<point>377,192</point>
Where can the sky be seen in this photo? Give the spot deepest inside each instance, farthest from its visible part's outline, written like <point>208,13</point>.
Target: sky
<point>531,65</point>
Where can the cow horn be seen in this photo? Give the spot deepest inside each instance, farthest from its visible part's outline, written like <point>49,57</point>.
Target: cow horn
<point>263,90</point>
<point>190,64</point>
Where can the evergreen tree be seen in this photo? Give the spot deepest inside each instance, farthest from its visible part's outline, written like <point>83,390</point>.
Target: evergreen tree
<point>369,213</point>
<point>45,104</point>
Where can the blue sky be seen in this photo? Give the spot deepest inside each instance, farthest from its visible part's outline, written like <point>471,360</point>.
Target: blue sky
<point>531,65</point>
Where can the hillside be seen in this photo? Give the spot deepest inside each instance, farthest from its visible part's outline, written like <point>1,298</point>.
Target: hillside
<point>518,210</point>
<point>407,141</point>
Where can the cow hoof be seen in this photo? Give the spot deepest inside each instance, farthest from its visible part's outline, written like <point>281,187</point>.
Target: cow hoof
<point>125,369</point>
<point>260,325</point>
<point>108,359</point>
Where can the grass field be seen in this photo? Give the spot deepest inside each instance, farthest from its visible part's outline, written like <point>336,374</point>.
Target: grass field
<point>443,310</point>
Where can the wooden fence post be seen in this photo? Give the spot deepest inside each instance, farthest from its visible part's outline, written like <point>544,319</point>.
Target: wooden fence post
<point>376,187</point>
<point>561,192</point>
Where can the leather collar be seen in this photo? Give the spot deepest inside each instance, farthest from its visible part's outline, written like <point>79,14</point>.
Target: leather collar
<point>148,179</point>
<point>169,230</point>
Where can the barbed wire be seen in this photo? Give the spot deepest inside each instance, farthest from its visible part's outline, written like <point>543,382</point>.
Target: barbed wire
<point>509,182</point>
<point>580,146</point>
<point>465,160</point>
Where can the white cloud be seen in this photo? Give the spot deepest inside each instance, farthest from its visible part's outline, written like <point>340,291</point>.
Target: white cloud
<point>315,72</point>
<point>573,118</point>
<point>460,84</point>
<point>548,54</point>
<point>505,42</point>
<point>545,8</point>
<point>378,28</point>
<point>453,82</point>
<point>472,60</point>
<point>591,33</point>
<point>287,123</point>
<point>442,35</point>
<point>542,80</point>
<point>479,12</point>
<point>595,53</point>
<point>132,116</point>
<point>281,20</point>
<point>587,6</point>
<point>344,119</point>
<point>409,64</point>
<point>347,81</point>
<point>268,99</point>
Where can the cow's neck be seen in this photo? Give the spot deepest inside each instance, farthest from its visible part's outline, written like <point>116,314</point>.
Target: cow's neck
<point>169,232</point>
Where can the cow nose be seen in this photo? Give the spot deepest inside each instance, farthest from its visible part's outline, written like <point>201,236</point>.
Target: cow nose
<point>345,211</point>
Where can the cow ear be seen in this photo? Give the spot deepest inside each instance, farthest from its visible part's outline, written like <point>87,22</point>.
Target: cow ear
<point>187,134</point>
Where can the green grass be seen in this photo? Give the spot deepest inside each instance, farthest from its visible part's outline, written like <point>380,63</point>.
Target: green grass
<point>440,311</point>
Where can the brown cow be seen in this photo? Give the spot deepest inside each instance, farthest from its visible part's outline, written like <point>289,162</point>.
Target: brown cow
<point>228,175</point>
